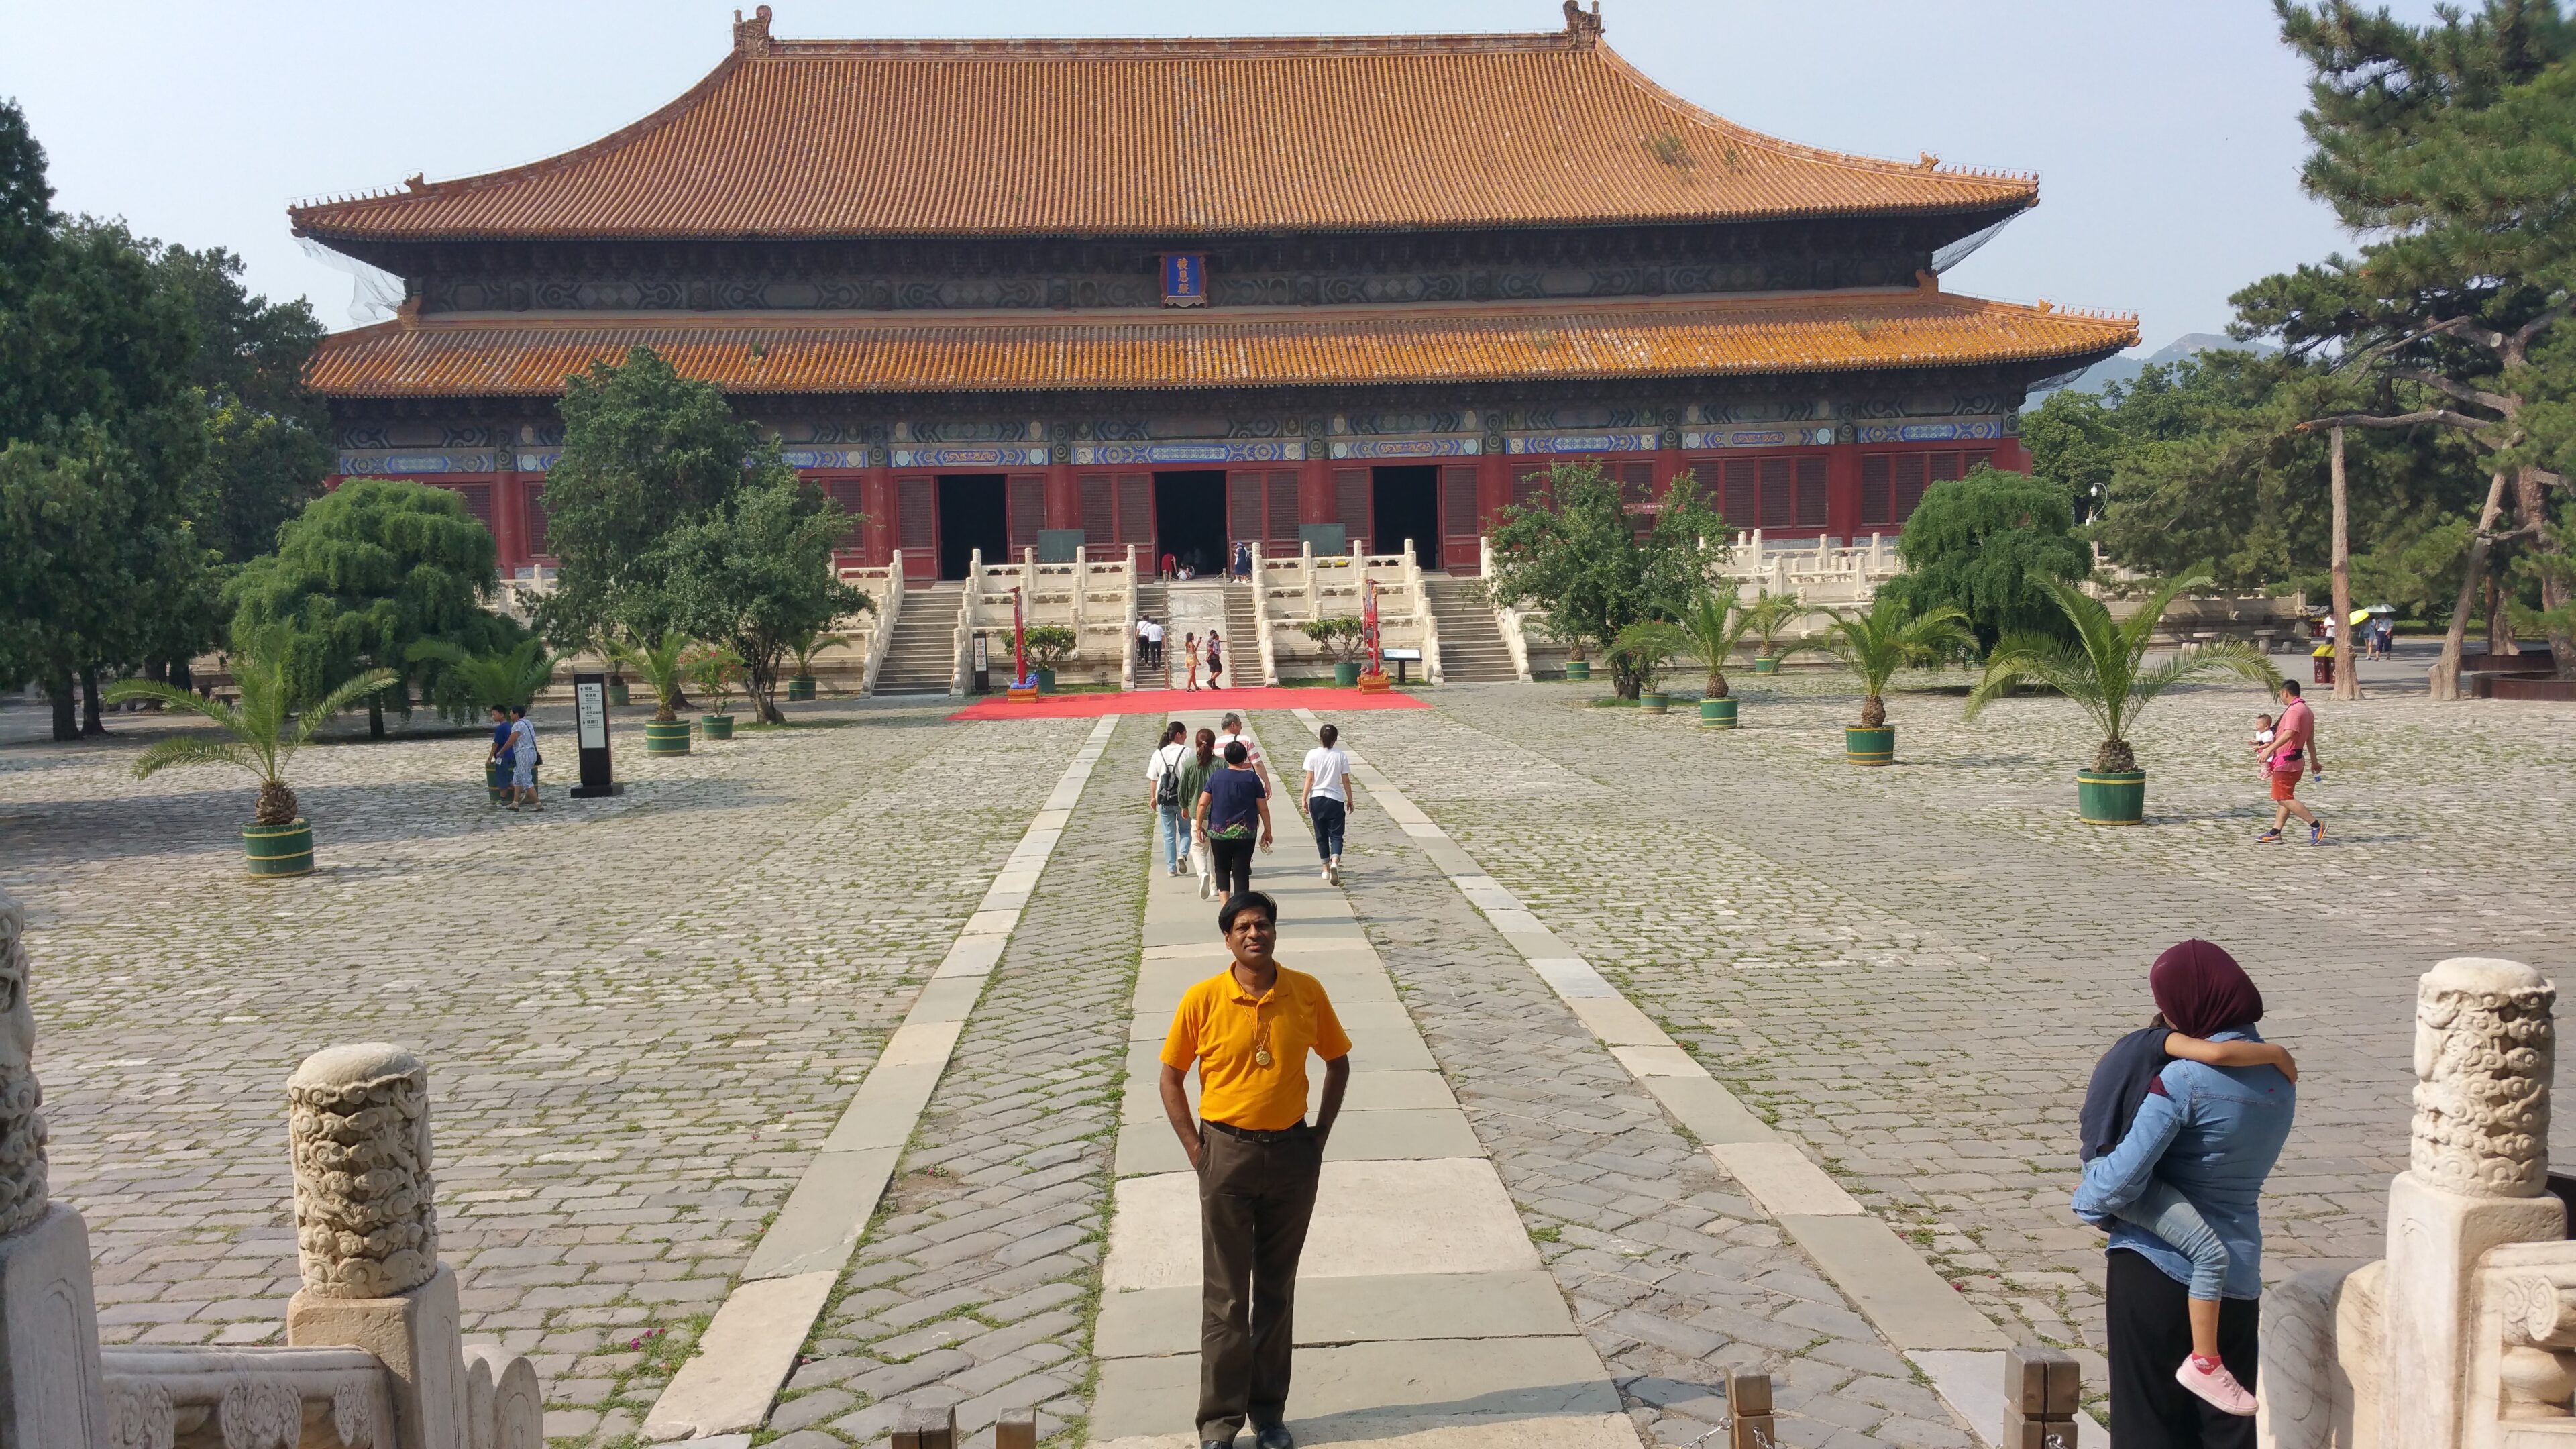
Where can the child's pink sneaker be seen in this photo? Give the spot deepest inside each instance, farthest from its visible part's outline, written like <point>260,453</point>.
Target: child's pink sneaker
<point>2216,1385</point>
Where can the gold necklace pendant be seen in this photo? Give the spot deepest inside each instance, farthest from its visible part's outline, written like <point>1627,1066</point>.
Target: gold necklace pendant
<point>1261,1056</point>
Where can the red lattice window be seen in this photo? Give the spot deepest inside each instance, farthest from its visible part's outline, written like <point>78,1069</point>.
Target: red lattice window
<point>1136,509</point>
<point>1099,508</point>
<point>848,492</point>
<point>1027,503</point>
<point>1351,501</point>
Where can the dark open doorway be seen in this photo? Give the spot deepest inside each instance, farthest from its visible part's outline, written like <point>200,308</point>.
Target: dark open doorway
<point>1189,520</point>
<point>970,517</point>
<point>1408,506</point>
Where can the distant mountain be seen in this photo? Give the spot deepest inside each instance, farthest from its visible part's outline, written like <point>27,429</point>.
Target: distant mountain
<point>2127,366</point>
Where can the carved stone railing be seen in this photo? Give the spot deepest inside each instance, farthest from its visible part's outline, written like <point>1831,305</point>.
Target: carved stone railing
<point>373,1357</point>
<point>2465,1336</point>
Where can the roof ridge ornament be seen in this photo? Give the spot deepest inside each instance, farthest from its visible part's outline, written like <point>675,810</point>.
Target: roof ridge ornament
<point>1584,30</point>
<point>751,37</point>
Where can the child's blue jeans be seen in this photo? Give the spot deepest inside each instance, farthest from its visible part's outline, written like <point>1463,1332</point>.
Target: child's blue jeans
<point>2165,1212</point>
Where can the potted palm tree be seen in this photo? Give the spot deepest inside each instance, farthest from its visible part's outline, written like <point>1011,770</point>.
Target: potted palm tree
<point>1766,617</point>
<point>2103,669</point>
<point>717,672</point>
<point>660,662</point>
<point>1642,649</point>
<point>265,730</point>
<point>489,681</point>
<point>1875,645</point>
<point>802,649</point>
<point>1713,625</point>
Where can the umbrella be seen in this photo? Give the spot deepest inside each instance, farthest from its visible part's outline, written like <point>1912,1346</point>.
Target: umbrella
<point>2358,615</point>
<point>2383,608</point>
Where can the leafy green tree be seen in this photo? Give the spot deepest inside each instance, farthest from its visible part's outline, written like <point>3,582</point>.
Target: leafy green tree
<point>1579,554</point>
<point>1989,545</point>
<point>645,451</point>
<point>668,512</point>
<point>363,575</point>
<point>1887,637</point>
<point>2450,149</point>
<point>754,572</point>
<point>264,730</point>
<point>2103,667</point>
<point>267,437</point>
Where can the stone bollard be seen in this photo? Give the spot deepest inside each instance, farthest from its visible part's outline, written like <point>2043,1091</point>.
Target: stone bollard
<point>51,1394</point>
<point>1017,1429</point>
<point>366,1233</point>
<point>2042,1390</point>
<point>1749,1424</point>
<point>922,1427</point>
<point>2477,1178</point>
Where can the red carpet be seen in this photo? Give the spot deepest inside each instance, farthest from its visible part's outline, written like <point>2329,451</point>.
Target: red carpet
<point>1174,701</point>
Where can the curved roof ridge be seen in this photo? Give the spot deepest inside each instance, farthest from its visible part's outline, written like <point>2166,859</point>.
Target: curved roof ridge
<point>763,146</point>
<point>1875,164</point>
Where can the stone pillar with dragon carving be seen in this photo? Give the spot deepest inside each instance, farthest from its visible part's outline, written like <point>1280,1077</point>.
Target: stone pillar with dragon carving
<point>2477,1180</point>
<point>51,1392</point>
<point>366,1235</point>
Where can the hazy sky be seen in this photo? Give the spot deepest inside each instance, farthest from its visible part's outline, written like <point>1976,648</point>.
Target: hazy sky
<point>2165,135</point>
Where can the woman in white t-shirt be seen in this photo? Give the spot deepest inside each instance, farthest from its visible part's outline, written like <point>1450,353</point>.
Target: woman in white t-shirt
<point>1328,799</point>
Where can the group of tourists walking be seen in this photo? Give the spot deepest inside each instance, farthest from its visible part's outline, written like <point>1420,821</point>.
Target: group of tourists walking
<point>1211,802</point>
<point>1195,652</point>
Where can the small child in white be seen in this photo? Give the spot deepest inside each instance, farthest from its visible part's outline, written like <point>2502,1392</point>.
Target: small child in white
<point>2262,741</point>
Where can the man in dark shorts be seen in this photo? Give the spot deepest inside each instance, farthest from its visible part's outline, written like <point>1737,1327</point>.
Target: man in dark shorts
<point>2294,750</point>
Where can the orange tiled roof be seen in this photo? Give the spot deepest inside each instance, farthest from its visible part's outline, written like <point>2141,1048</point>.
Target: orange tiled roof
<point>488,355</point>
<point>837,138</point>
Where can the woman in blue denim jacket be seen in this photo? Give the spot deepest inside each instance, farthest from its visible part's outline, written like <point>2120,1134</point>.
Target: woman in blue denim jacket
<point>2211,1134</point>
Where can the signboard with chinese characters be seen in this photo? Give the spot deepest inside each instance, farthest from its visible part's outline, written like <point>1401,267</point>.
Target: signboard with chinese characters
<point>590,731</point>
<point>1184,279</point>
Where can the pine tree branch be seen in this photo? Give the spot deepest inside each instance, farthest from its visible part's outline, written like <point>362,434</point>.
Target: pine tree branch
<point>2517,346</point>
<point>2476,428</point>
<point>2465,393</point>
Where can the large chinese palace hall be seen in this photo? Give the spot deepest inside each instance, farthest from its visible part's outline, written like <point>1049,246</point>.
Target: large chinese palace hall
<point>1180,293</point>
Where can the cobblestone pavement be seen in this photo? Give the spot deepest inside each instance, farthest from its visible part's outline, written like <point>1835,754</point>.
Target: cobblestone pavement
<point>978,1283</point>
<point>640,1015</point>
<point>1674,1275</point>
<point>1912,970</point>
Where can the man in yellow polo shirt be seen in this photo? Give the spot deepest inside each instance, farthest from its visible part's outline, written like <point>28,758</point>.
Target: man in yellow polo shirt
<point>1249,1028</point>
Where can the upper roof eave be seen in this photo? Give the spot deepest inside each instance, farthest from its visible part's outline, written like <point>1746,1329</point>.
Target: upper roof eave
<point>471,208</point>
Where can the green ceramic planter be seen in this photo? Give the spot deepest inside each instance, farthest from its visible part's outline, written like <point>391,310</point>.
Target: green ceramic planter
<point>2115,798</point>
<point>617,692</point>
<point>716,726</point>
<point>1655,703</point>
<point>1046,680</point>
<point>1870,747</point>
<point>1347,673</point>
<point>278,851</point>
<point>1578,669</point>
<point>667,739</point>
<point>1717,714</point>
<point>800,688</point>
<point>1765,664</point>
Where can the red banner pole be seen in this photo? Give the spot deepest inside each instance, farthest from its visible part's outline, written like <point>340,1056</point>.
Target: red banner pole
<point>1019,642</point>
<point>1368,628</point>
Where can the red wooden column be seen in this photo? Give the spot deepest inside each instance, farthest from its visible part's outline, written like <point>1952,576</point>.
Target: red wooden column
<point>1842,491</point>
<point>1315,485</point>
<point>509,541</point>
<point>1063,498</point>
<point>876,487</point>
<point>1493,489</point>
<point>2011,456</point>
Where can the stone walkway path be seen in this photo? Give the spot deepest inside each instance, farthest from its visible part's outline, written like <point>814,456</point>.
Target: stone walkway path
<point>1424,1316</point>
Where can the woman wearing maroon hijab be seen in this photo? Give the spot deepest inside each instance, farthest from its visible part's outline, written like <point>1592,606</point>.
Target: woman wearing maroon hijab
<point>2211,1133</point>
